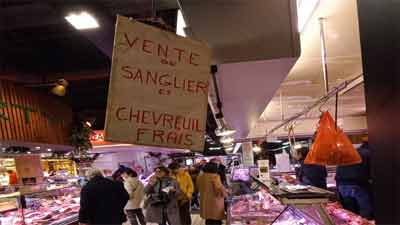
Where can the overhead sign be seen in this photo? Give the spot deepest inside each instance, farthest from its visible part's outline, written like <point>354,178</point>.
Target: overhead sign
<point>158,88</point>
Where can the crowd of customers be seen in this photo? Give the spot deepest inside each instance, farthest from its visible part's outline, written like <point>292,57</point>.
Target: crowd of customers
<point>166,199</point>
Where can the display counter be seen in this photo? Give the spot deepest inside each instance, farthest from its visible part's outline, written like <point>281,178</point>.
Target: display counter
<point>50,206</point>
<point>271,204</point>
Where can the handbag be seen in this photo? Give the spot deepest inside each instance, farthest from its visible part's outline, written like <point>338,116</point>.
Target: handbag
<point>162,198</point>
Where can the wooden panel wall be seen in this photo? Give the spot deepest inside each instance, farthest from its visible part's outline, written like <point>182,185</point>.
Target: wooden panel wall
<point>29,116</point>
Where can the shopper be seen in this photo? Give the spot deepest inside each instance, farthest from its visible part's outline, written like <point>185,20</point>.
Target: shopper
<point>102,201</point>
<point>212,194</point>
<point>221,170</point>
<point>194,173</point>
<point>186,186</point>
<point>135,190</point>
<point>354,184</point>
<point>314,175</point>
<point>162,204</point>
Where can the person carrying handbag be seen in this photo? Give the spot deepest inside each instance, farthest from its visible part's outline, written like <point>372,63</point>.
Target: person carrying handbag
<point>162,203</point>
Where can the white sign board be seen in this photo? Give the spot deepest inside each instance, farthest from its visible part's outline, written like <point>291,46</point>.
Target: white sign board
<point>158,88</point>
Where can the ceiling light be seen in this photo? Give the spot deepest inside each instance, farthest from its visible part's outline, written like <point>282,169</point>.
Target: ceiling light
<point>286,143</point>
<point>3,149</point>
<point>224,131</point>
<point>228,145</point>
<point>297,146</point>
<point>82,21</point>
<point>180,25</point>
<point>29,152</point>
<point>226,140</point>
<point>61,88</point>
<point>214,148</point>
<point>256,149</point>
<point>229,149</point>
<point>89,124</point>
<point>49,150</point>
<point>37,148</point>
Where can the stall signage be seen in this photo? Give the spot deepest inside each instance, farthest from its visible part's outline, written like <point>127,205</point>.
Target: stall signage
<point>158,88</point>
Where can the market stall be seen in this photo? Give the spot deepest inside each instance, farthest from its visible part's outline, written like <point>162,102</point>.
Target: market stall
<point>270,202</point>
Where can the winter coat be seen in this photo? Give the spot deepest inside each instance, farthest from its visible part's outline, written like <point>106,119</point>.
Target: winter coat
<point>358,174</point>
<point>135,190</point>
<point>154,212</point>
<point>185,184</point>
<point>212,194</point>
<point>314,175</point>
<point>102,202</point>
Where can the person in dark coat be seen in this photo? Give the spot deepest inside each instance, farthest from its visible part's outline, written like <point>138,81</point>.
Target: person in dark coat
<point>354,184</point>
<point>221,170</point>
<point>314,175</point>
<point>102,201</point>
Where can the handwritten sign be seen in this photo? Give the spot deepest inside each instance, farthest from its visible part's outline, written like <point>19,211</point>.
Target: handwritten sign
<point>158,88</point>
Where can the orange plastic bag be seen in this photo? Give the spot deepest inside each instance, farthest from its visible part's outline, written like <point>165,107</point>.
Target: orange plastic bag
<point>331,145</point>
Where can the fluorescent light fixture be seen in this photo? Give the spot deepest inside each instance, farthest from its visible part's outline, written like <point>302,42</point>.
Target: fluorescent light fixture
<point>305,9</point>
<point>226,140</point>
<point>297,146</point>
<point>286,143</point>
<point>224,131</point>
<point>214,148</point>
<point>82,21</point>
<point>180,25</point>
<point>229,149</point>
<point>37,148</point>
<point>29,152</point>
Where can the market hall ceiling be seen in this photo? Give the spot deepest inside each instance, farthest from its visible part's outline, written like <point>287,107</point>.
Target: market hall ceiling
<point>37,40</point>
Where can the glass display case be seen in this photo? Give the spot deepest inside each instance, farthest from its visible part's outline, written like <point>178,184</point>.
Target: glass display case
<point>257,208</point>
<point>264,207</point>
<point>50,206</point>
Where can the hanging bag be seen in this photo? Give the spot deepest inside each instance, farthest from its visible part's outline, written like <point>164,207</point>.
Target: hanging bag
<point>331,145</point>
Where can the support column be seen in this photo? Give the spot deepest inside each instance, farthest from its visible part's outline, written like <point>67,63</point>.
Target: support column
<point>380,41</point>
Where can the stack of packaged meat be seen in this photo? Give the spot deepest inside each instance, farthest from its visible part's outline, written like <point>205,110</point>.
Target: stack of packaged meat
<point>341,216</point>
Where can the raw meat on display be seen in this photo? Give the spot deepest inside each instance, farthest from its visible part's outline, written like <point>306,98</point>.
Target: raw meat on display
<point>341,216</point>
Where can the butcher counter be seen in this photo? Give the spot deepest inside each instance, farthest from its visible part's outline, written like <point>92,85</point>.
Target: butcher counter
<point>272,204</point>
<point>35,205</point>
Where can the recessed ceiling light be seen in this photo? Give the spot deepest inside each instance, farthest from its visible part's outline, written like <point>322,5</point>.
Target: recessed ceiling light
<point>29,152</point>
<point>82,21</point>
<point>3,149</point>
<point>49,150</point>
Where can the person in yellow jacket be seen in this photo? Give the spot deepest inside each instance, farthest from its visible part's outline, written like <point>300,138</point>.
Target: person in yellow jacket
<point>186,185</point>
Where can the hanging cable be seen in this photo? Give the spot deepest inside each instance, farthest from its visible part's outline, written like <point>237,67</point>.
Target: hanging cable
<point>336,110</point>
